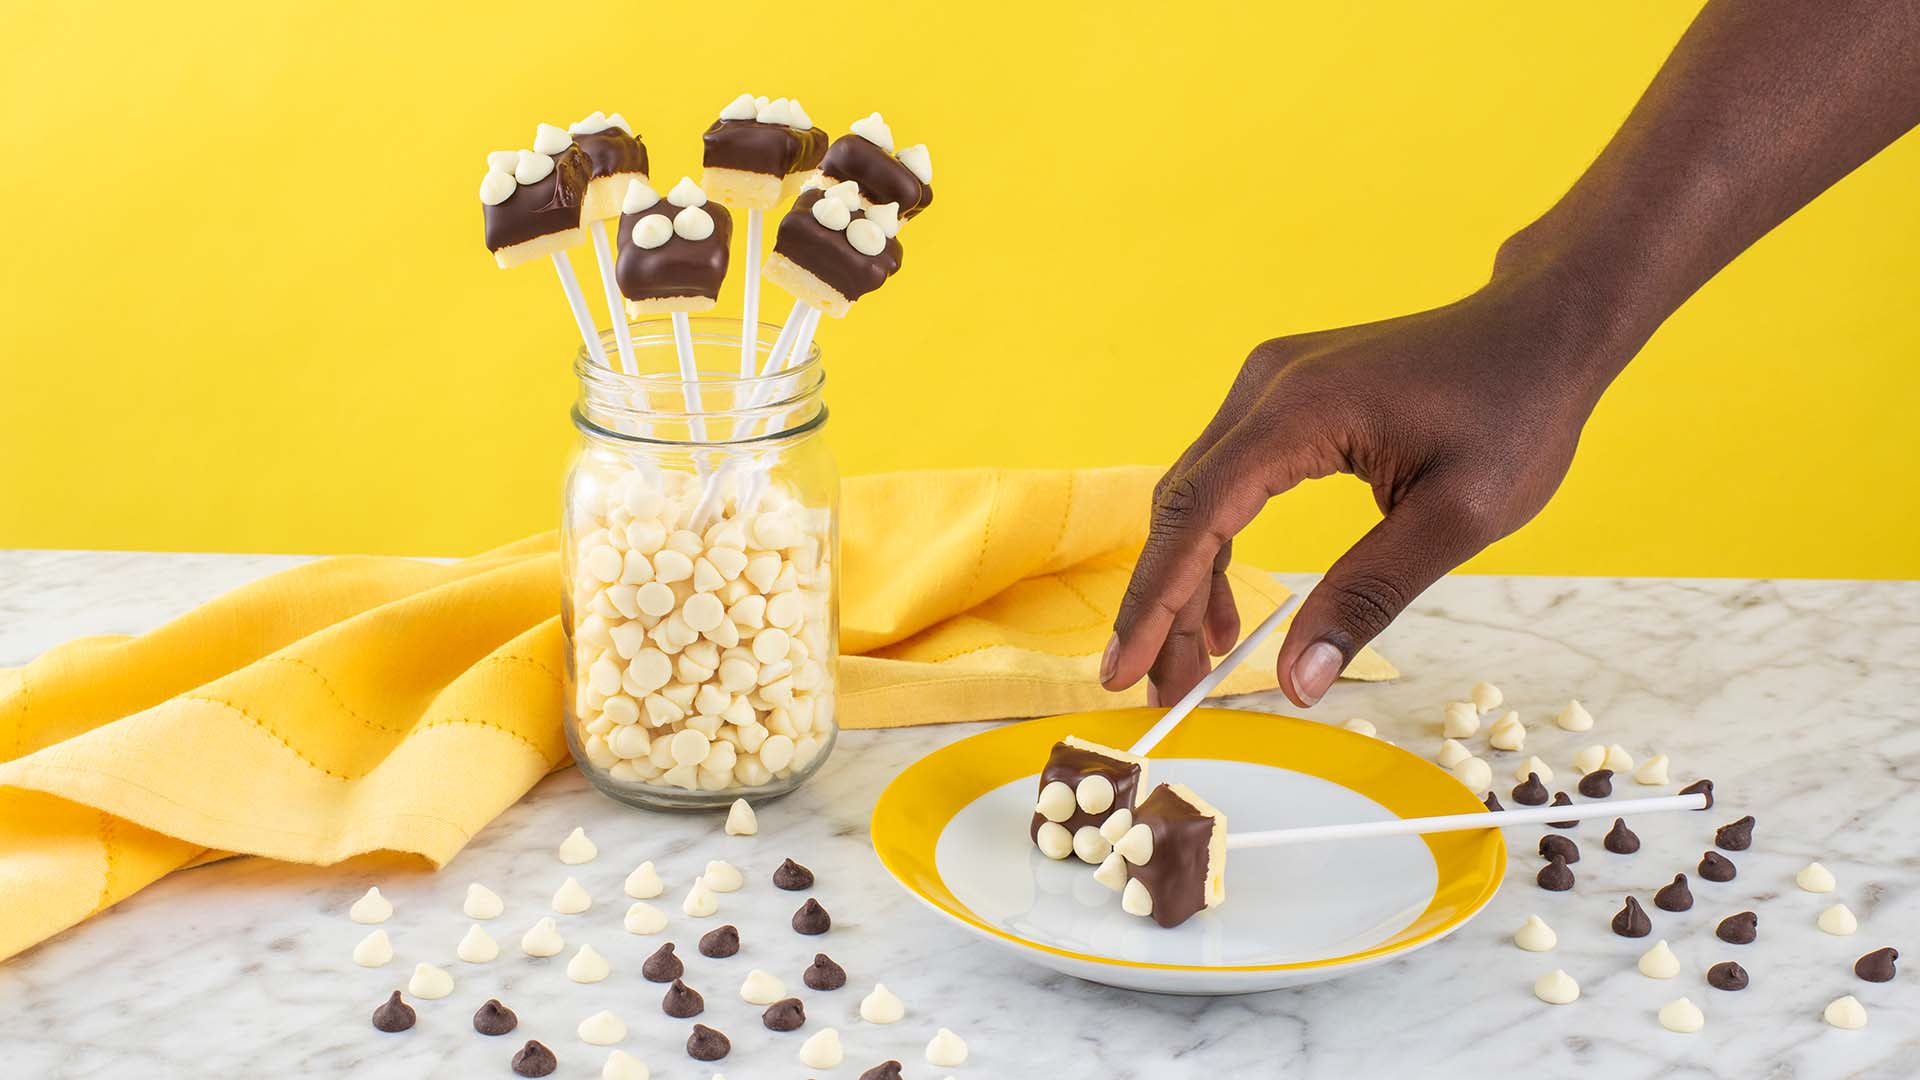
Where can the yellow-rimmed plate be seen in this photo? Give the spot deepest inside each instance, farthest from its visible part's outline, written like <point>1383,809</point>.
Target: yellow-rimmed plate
<point>952,829</point>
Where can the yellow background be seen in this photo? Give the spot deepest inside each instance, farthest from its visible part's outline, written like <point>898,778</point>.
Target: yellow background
<point>245,305</point>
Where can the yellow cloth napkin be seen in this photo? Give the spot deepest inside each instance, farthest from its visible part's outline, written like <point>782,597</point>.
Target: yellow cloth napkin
<point>364,704</point>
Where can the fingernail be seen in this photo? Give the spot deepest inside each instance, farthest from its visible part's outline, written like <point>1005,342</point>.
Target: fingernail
<point>1315,671</point>
<point>1110,659</point>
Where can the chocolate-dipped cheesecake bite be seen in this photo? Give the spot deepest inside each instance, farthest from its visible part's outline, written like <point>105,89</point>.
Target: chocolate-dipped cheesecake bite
<point>530,200</point>
<point>831,250</point>
<point>1083,786</point>
<point>866,156</point>
<point>1175,856</point>
<point>759,153</point>
<point>615,158</point>
<point>673,251</point>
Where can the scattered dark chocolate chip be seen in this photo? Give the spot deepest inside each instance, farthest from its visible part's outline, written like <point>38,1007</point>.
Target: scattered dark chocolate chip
<point>1703,787</point>
<point>1597,784</point>
<point>1738,929</point>
<point>1560,799</point>
<point>787,1014</point>
<point>1727,975</point>
<point>396,1015</point>
<point>824,974</point>
<point>1675,896</point>
<point>886,1070</point>
<point>812,918</point>
<point>720,943</point>
<point>706,1044</point>
<point>1493,802</point>
<point>682,1001</point>
<point>1555,877</point>
<point>1530,792</point>
<point>663,966</point>
<point>494,1018</point>
<point>535,1060</point>
<point>792,877</point>
<point>1737,836</point>
<point>1877,966</point>
<point>1631,920</point>
<point>1554,844</point>
<point>1620,839</point>
<point>1717,867</point>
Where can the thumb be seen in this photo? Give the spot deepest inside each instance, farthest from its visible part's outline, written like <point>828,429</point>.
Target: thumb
<point>1411,548</point>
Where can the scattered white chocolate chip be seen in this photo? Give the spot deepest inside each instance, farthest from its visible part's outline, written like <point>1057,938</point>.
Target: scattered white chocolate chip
<point>543,939</point>
<point>373,950</point>
<point>1089,846</point>
<point>476,947</point>
<point>1053,840</point>
<point>1535,935</point>
<point>821,1050</point>
<point>1137,845</point>
<point>1116,825</point>
<point>624,1066</point>
<point>1659,961</point>
<point>1815,878</point>
<point>1556,987</point>
<point>1651,772</point>
<point>550,140</point>
<point>1574,717</point>
<point>882,1006</point>
<point>496,187</point>
<point>1361,726</point>
<point>694,223</point>
<point>639,196</point>
<point>866,237</point>
<point>722,876</point>
<point>482,903</point>
<point>571,898</point>
<point>918,161</point>
<point>887,216</point>
<point>700,901</point>
<point>587,966</point>
<point>371,908</point>
<point>1534,766</point>
<point>1589,758</point>
<point>602,1029</point>
<point>1618,759</point>
<point>429,982</point>
<point>577,849</point>
<point>531,168</point>
<point>644,883</point>
<point>1135,899</point>
<point>684,194</point>
<point>1112,872</point>
<point>1459,720</point>
<point>740,108</point>
<point>1846,1013</point>
<point>874,129</point>
<point>1475,773</point>
<point>644,918</point>
<point>1095,794</point>
<point>761,988</point>
<point>741,820</point>
<point>1838,921</point>
<point>1507,733</point>
<point>1452,752</point>
<point>1682,1016</point>
<point>1056,802</point>
<point>1486,697</point>
<point>946,1049</point>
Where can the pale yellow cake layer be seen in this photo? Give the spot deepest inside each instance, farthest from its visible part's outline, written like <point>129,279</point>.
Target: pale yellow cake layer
<point>805,286</point>
<point>740,188</point>
<point>1216,844</point>
<point>692,305</point>
<point>605,194</point>
<point>539,247</point>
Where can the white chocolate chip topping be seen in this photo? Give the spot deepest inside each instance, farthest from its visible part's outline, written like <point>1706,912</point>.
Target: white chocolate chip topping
<point>1095,794</point>
<point>591,124</point>
<point>1116,825</point>
<point>887,216</point>
<point>1135,899</point>
<point>797,117</point>
<point>778,111</point>
<point>639,196</point>
<point>918,161</point>
<point>503,161</point>
<point>531,168</point>
<point>1053,840</point>
<point>829,212</point>
<point>866,237</point>
<point>687,193</point>
<point>874,129</point>
<point>550,140</point>
<point>1056,801</point>
<point>1112,872</point>
<point>496,188</point>
<point>743,107</point>
<point>1137,845</point>
<point>694,223</point>
<point>649,233</point>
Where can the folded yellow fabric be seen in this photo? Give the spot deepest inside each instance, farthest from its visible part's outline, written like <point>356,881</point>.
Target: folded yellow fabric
<point>320,713</point>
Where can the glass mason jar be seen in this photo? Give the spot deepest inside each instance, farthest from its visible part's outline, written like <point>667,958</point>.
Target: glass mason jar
<point>700,544</point>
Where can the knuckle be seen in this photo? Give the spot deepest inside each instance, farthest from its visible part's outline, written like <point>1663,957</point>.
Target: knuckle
<point>1367,604</point>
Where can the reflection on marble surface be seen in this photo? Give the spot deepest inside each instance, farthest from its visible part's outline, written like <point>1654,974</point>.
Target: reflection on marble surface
<point>1799,698</point>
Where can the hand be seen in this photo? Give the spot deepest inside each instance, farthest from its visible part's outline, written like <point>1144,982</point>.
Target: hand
<point>1463,419</point>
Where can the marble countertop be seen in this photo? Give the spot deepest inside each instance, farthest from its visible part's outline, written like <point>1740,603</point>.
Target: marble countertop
<point>1801,699</point>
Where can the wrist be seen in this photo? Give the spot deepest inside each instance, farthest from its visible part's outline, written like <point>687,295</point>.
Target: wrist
<point>1597,307</point>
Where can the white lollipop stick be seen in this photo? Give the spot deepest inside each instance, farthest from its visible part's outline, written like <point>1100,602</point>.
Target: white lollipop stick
<point>616,307</point>
<point>690,385</point>
<point>1145,744</point>
<point>776,362</point>
<point>750,299</point>
<point>1460,822</point>
<point>803,341</point>
<point>578,302</point>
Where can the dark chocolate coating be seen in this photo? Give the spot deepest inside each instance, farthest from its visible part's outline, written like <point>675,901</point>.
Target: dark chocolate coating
<point>1175,876</point>
<point>1704,787</point>
<point>1530,792</point>
<point>1066,763</point>
<point>721,942</point>
<point>792,877</point>
<point>494,1018</point>
<point>662,966</point>
<point>1560,798</point>
<point>1597,784</point>
<point>768,149</point>
<point>1555,877</point>
<point>393,1014</point>
<point>1738,929</point>
<point>881,177</point>
<point>1493,802</point>
<point>787,1014</point>
<point>682,1001</point>
<point>679,268</point>
<point>1620,840</point>
<point>1727,975</point>
<point>1631,920</point>
<point>827,254</point>
<point>1735,836</point>
<point>534,1059</point>
<point>706,1044</point>
<point>886,1070</point>
<point>1877,966</point>
<point>824,974</point>
<point>612,152</point>
<point>1563,846</point>
<point>812,918</point>
<point>1675,896</point>
<point>1717,867</point>
<point>540,209</point>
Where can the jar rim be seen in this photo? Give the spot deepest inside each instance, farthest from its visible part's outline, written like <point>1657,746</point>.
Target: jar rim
<point>721,330</point>
<point>607,393</point>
